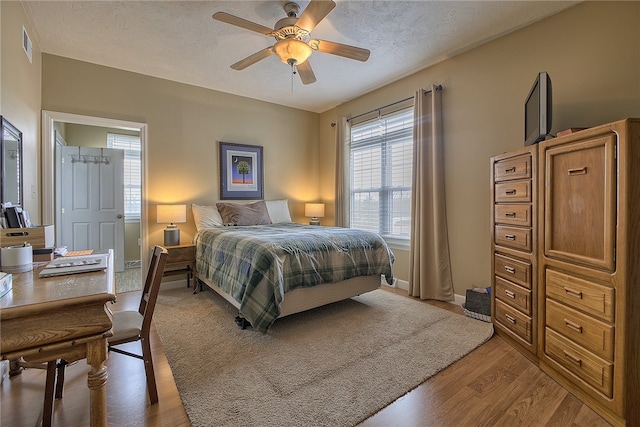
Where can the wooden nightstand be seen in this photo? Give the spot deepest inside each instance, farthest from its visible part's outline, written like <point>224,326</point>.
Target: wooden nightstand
<point>181,260</point>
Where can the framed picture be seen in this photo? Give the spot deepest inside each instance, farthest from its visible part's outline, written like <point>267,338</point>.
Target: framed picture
<point>241,173</point>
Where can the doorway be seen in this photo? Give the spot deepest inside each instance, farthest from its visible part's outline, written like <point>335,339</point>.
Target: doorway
<point>49,121</point>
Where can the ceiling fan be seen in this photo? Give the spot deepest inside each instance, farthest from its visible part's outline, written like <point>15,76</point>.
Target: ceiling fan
<point>293,42</point>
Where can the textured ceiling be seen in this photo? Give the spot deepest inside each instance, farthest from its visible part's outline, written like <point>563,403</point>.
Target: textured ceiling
<point>178,40</point>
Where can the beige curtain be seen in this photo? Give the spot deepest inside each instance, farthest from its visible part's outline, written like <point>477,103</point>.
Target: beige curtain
<point>430,266</point>
<point>343,136</point>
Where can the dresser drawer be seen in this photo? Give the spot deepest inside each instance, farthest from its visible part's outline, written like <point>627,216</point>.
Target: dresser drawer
<point>514,295</point>
<point>177,254</point>
<point>580,294</point>
<point>517,191</point>
<point>592,334</point>
<point>592,369</point>
<point>512,269</point>
<point>513,168</point>
<point>513,320</point>
<point>511,237</point>
<point>513,215</point>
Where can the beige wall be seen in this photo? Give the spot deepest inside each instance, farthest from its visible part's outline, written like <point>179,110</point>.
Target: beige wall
<point>591,52</point>
<point>185,124</point>
<point>20,86</point>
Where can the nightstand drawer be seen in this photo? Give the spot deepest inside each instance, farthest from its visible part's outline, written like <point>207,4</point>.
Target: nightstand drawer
<point>590,333</point>
<point>595,371</point>
<point>181,254</point>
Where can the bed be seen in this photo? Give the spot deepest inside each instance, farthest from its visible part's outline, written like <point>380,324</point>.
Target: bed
<point>276,267</point>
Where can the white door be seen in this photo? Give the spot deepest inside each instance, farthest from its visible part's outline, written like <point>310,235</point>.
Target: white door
<point>92,200</point>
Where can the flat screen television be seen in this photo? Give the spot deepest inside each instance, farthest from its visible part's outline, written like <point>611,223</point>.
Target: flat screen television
<point>537,110</point>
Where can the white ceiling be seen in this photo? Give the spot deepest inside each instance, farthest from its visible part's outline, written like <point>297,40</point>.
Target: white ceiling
<point>178,40</point>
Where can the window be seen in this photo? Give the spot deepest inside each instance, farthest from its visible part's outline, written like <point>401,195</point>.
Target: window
<point>132,172</point>
<point>381,156</point>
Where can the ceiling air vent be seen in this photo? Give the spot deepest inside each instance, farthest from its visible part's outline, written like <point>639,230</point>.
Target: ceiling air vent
<point>26,44</point>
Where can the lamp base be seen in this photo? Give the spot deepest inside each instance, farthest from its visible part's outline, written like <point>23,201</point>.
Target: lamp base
<point>314,221</point>
<point>171,236</point>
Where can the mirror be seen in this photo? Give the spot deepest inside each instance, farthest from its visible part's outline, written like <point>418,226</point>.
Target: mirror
<point>11,162</point>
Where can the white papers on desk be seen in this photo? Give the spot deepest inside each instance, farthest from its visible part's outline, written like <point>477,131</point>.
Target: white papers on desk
<point>75,264</point>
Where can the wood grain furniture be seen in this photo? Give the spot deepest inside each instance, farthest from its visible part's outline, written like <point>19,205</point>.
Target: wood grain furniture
<point>181,259</point>
<point>513,246</point>
<point>130,326</point>
<point>64,317</point>
<point>590,266</point>
<point>588,291</point>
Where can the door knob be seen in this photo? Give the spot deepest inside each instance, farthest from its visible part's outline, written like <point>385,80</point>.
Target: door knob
<point>120,216</point>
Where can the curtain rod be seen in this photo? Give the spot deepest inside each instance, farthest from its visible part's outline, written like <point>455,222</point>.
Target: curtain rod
<point>438,87</point>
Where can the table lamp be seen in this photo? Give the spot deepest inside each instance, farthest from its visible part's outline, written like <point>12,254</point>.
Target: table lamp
<point>315,211</point>
<point>171,214</point>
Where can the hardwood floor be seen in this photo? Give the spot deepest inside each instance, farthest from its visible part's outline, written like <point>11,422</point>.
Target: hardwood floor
<point>492,386</point>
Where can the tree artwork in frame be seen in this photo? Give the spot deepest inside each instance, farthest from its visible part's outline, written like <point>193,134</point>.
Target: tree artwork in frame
<point>241,173</point>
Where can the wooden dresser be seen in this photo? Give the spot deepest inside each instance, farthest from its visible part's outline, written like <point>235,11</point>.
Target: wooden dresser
<point>514,274</point>
<point>588,266</point>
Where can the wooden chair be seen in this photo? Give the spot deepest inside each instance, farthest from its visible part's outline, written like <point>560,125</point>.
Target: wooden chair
<point>128,326</point>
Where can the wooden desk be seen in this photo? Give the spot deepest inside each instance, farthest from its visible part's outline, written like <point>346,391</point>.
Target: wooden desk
<point>64,317</point>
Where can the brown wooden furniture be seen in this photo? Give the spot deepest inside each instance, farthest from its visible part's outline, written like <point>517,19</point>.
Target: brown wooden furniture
<point>588,259</point>
<point>129,326</point>
<point>181,260</point>
<point>514,227</point>
<point>63,317</point>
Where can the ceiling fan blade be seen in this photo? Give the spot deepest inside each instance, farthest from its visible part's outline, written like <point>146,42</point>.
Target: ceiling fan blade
<point>306,73</point>
<point>314,13</point>
<point>340,49</point>
<point>242,23</point>
<point>252,59</point>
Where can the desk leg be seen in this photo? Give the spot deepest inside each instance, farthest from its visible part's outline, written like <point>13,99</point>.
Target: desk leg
<point>97,381</point>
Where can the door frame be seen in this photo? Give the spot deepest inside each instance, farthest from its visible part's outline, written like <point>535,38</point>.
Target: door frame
<point>48,159</point>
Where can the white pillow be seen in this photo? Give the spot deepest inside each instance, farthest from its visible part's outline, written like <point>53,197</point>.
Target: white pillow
<point>278,210</point>
<point>206,216</point>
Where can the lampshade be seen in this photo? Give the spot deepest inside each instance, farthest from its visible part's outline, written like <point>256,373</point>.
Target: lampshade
<point>315,210</point>
<point>172,214</point>
<point>292,51</point>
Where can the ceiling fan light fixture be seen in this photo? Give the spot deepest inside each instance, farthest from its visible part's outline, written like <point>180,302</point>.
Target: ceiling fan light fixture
<point>292,51</point>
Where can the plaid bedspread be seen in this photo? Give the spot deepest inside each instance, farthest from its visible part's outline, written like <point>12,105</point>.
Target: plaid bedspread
<point>258,264</point>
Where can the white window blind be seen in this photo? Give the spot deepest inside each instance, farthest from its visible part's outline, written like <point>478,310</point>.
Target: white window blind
<point>132,173</point>
<point>381,155</point>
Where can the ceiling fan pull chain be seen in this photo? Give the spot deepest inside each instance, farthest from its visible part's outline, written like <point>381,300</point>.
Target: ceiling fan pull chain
<point>293,73</point>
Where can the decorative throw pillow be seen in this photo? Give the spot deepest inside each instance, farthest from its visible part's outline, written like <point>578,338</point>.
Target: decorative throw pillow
<point>278,210</point>
<point>251,214</point>
<point>206,216</point>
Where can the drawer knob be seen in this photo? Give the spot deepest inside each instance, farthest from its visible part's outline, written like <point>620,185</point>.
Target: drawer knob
<point>510,192</point>
<point>509,270</point>
<point>573,326</point>
<point>510,214</point>
<point>511,319</point>
<point>511,237</point>
<point>573,359</point>
<point>573,292</point>
<point>510,170</point>
<point>509,293</point>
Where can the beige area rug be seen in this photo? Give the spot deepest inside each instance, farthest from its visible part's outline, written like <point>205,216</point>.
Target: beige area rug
<point>332,366</point>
